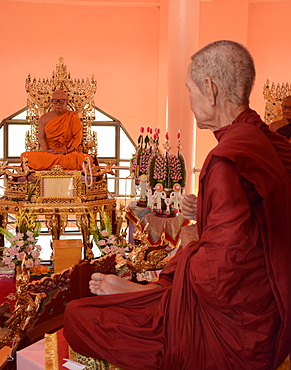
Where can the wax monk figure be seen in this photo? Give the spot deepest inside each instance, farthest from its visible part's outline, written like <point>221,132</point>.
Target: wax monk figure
<point>59,134</point>
<point>223,302</point>
<point>283,126</point>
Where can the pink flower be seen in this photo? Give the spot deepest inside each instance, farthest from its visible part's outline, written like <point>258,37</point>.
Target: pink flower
<point>35,254</point>
<point>113,248</point>
<point>101,242</point>
<point>21,256</point>
<point>37,262</point>
<point>29,233</point>
<point>13,251</point>
<point>104,233</point>
<point>29,248</point>
<point>106,250</point>
<point>11,265</point>
<point>7,260</point>
<point>20,243</point>
<point>112,239</point>
<point>29,264</point>
<point>31,239</point>
<point>121,251</point>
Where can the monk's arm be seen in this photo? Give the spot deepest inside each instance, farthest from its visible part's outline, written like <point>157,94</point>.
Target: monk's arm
<point>77,136</point>
<point>41,134</point>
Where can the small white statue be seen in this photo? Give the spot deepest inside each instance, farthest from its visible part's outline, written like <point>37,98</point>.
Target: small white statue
<point>143,185</point>
<point>158,197</point>
<point>176,197</point>
<point>168,202</point>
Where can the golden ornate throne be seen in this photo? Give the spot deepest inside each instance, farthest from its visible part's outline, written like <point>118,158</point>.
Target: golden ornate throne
<point>54,194</point>
<point>80,99</point>
<point>274,95</point>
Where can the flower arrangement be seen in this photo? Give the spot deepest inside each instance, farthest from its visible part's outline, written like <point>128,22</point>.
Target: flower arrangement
<point>160,177</point>
<point>167,169</point>
<point>105,241</point>
<point>23,249</point>
<point>146,146</point>
<point>109,243</point>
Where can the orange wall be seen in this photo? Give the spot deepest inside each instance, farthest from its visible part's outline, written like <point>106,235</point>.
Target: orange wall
<point>269,27</point>
<point>118,45</point>
<point>261,25</point>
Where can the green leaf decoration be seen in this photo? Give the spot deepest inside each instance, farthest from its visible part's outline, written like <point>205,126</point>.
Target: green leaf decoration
<point>182,182</point>
<point>7,234</point>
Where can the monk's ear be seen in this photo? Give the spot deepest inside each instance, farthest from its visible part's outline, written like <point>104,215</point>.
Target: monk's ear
<point>211,91</point>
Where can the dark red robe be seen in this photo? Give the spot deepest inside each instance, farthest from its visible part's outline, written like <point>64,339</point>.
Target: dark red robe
<point>224,301</point>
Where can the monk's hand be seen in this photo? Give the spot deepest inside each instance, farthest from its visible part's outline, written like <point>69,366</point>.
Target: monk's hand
<point>189,206</point>
<point>53,151</point>
<point>188,235</point>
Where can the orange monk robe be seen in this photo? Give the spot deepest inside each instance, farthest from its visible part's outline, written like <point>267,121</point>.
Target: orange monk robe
<point>61,133</point>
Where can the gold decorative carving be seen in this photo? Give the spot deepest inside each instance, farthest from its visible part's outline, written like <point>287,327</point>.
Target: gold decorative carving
<point>82,222</point>
<point>274,95</point>
<point>56,224</point>
<point>145,257</point>
<point>26,307</point>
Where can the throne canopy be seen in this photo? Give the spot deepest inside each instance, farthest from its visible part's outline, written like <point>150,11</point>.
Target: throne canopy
<point>80,99</point>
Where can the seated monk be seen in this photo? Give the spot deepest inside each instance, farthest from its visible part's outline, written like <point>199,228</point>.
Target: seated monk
<point>283,126</point>
<point>59,134</point>
<point>223,301</point>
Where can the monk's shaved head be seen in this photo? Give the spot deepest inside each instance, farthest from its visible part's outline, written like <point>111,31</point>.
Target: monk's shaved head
<point>59,94</point>
<point>229,65</point>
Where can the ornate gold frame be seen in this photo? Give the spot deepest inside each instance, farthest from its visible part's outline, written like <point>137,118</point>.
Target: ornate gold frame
<point>63,183</point>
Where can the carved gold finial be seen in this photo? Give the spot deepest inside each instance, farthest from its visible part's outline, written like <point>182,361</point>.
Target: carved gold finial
<point>274,95</point>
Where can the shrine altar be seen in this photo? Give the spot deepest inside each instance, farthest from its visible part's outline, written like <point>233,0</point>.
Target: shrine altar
<point>157,225</point>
